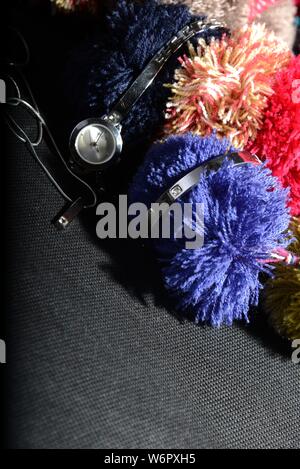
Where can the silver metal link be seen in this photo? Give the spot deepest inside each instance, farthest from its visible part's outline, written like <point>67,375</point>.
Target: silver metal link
<point>147,76</point>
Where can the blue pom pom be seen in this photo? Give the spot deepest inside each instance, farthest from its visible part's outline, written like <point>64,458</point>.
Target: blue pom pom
<point>103,69</point>
<point>245,218</point>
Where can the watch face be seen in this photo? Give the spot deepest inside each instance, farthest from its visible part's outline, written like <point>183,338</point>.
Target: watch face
<point>95,144</point>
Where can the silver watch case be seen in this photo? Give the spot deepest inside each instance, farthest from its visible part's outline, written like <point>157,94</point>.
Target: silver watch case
<point>115,132</point>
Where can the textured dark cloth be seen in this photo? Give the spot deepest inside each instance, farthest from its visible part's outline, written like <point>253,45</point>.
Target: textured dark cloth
<point>96,359</point>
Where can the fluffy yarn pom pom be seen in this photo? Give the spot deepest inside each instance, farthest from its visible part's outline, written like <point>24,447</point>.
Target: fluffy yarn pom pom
<point>221,10</point>
<point>279,139</point>
<point>257,7</point>
<point>106,68</point>
<point>235,14</point>
<point>282,295</point>
<point>245,216</point>
<point>72,5</point>
<point>225,86</point>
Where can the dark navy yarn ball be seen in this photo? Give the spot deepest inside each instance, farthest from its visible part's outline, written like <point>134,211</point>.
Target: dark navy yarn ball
<point>103,68</point>
<point>245,219</point>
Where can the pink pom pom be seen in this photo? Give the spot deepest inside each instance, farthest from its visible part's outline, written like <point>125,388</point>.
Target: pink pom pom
<point>259,6</point>
<point>279,139</point>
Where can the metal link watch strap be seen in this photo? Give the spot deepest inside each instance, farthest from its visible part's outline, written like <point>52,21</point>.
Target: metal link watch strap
<point>184,35</point>
<point>188,182</point>
<point>150,72</point>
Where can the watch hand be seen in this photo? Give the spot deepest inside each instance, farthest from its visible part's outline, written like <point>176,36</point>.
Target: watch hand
<point>94,142</point>
<point>91,136</point>
<point>99,135</point>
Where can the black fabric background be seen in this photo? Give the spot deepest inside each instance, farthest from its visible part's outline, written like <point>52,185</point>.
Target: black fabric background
<point>97,359</point>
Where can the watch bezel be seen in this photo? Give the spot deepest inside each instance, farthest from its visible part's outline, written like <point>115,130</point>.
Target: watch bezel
<point>116,134</point>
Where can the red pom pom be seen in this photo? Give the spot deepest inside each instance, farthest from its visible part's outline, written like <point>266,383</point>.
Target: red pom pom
<point>279,139</point>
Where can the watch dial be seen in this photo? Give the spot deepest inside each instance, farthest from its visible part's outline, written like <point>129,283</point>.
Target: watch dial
<point>95,144</point>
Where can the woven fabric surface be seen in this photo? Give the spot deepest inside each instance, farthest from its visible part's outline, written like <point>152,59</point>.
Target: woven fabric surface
<point>95,356</point>
<point>96,359</point>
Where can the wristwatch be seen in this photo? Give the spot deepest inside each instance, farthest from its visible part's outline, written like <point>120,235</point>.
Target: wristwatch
<point>97,143</point>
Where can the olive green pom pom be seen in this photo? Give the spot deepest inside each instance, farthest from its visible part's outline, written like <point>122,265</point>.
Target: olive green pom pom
<point>282,295</point>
